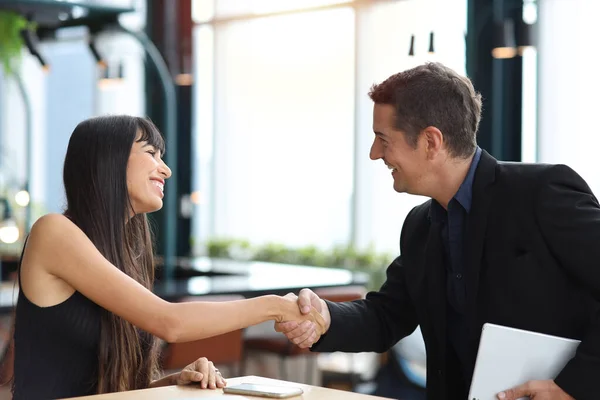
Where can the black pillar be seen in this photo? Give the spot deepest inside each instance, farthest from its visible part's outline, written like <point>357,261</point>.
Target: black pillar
<point>170,27</point>
<point>498,80</point>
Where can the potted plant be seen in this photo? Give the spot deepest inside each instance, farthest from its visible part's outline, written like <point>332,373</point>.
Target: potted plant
<point>11,40</point>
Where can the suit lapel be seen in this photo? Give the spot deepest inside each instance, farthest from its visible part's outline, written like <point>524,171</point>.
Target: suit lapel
<point>436,282</point>
<point>476,230</point>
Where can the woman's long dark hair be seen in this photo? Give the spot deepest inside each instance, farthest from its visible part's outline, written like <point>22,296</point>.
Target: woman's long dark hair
<point>98,203</point>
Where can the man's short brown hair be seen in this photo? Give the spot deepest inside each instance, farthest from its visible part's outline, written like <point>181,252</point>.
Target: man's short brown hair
<point>433,95</point>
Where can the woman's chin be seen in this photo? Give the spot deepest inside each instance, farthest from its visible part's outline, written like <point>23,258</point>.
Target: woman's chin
<point>156,206</point>
<point>149,208</point>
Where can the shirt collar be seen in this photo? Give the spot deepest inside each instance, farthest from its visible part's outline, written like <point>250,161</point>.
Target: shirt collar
<point>465,192</point>
<point>464,195</point>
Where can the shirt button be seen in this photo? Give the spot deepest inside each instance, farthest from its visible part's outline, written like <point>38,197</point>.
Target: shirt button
<point>458,276</point>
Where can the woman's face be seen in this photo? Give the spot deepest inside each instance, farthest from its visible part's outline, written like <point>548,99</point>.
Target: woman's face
<point>146,175</point>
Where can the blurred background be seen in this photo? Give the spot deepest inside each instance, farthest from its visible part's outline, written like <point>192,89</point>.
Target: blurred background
<point>264,108</point>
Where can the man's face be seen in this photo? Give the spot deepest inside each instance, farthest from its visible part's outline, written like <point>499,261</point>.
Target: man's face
<point>406,162</point>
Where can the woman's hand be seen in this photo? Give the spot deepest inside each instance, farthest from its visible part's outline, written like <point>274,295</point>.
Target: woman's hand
<point>291,312</point>
<point>202,372</point>
<point>304,334</point>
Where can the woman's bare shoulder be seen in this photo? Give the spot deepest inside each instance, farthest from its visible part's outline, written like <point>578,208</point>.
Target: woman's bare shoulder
<point>49,229</point>
<point>42,287</point>
<point>52,225</point>
<point>49,221</point>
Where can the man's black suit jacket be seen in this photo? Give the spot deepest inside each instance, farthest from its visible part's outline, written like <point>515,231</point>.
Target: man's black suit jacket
<point>532,261</point>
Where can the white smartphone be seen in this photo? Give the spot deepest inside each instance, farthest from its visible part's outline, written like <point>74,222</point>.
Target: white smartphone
<point>274,392</point>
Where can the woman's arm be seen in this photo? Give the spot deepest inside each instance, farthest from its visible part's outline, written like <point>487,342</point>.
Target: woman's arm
<point>64,251</point>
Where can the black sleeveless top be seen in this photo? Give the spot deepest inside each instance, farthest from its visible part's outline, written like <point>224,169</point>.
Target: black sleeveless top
<point>56,348</point>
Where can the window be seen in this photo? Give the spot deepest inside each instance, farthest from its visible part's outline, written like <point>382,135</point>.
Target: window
<point>283,120</point>
<point>567,89</point>
<point>283,128</point>
<point>227,8</point>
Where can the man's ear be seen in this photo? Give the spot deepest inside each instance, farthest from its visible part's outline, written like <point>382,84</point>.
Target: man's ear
<point>433,141</point>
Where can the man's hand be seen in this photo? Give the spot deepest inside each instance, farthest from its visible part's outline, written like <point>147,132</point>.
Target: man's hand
<point>536,390</point>
<point>304,334</point>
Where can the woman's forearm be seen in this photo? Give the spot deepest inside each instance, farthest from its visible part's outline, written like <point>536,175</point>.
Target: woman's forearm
<point>198,320</point>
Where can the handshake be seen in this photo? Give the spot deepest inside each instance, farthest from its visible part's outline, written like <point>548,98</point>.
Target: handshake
<point>305,320</point>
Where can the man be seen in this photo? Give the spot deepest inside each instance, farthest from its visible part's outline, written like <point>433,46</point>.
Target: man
<point>507,243</point>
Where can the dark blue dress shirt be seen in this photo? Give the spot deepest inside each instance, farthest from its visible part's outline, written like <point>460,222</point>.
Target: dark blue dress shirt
<point>452,223</point>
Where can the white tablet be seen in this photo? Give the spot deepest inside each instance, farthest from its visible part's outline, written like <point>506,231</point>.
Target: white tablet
<point>272,391</point>
<point>509,357</point>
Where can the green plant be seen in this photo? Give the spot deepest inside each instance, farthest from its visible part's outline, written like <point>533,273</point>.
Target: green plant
<point>227,248</point>
<point>273,252</point>
<point>347,257</point>
<point>11,41</point>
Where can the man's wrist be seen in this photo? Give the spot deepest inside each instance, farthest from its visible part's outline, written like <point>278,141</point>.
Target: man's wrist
<point>326,315</point>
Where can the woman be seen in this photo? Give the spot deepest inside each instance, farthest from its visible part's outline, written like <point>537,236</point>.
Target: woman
<point>86,318</point>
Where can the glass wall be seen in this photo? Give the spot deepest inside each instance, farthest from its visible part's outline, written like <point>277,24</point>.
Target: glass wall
<point>283,120</point>
<point>568,86</point>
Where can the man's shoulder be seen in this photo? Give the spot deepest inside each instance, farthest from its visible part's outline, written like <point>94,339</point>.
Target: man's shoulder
<point>530,175</point>
<point>522,169</point>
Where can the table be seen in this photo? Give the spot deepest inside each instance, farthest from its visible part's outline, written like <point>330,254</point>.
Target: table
<point>188,392</point>
<point>209,276</point>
